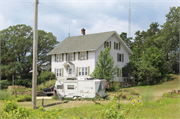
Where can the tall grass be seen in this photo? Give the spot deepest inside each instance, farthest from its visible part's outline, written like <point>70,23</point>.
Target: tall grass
<point>6,95</point>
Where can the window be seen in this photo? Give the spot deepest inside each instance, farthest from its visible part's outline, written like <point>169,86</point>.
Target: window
<point>70,57</point>
<point>59,87</point>
<point>59,58</point>
<point>58,72</point>
<point>116,46</point>
<point>118,57</point>
<point>107,44</point>
<point>83,71</point>
<point>71,87</point>
<point>86,71</point>
<point>70,71</point>
<point>82,55</point>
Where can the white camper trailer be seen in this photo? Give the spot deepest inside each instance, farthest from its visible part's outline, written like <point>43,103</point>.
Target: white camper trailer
<point>80,88</point>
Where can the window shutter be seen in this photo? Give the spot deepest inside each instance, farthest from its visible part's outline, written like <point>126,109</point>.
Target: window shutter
<point>55,58</point>
<point>78,55</point>
<point>119,46</point>
<point>110,44</point>
<point>88,70</point>
<point>105,44</point>
<point>66,56</point>
<point>117,57</point>
<point>76,71</point>
<point>117,72</point>
<point>62,72</point>
<point>114,45</point>
<point>62,57</point>
<point>74,55</point>
<point>87,55</point>
<point>122,57</point>
<point>55,71</point>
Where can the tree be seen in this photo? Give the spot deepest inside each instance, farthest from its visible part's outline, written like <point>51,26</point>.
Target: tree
<point>105,66</point>
<point>17,49</point>
<point>127,40</point>
<point>169,38</point>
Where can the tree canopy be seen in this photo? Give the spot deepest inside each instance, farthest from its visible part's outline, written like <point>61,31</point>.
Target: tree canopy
<point>17,49</point>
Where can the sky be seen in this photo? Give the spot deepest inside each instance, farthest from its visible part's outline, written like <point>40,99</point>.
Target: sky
<point>62,17</point>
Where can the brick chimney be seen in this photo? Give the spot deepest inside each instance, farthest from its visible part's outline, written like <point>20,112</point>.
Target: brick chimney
<point>83,31</point>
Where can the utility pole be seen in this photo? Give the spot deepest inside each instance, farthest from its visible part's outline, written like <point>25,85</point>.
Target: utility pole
<point>35,42</point>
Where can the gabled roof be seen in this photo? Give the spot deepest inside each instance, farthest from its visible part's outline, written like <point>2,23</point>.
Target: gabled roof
<point>87,42</point>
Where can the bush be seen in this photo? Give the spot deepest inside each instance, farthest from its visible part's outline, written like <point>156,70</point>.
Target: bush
<point>133,92</point>
<point>45,76</point>
<point>10,109</point>
<point>24,82</point>
<point>45,85</point>
<point>4,84</point>
<point>111,88</point>
<point>5,95</point>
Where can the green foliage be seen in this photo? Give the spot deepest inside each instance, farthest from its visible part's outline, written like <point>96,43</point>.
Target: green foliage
<point>105,66</point>
<point>24,82</point>
<point>45,76</point>
<point>46,84</point>
<point>170,95</point>
<point>10,109</point>
<point>133,92</point>
<point>111,111</point>
<point>5,95</point>
<point>17,49</point>
<point>4,84</point>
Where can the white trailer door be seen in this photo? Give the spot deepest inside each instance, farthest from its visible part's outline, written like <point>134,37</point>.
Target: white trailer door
<point>70,89</point>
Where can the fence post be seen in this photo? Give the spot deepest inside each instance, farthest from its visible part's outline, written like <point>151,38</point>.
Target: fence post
<point>171,94</point>
<point>43,102</point>
<point>138,97</point>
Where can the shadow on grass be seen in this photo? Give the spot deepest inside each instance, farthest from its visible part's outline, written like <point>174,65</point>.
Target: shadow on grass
<point>48,105</point>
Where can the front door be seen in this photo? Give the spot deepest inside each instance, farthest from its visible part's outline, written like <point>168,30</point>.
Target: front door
<point>69,71</point>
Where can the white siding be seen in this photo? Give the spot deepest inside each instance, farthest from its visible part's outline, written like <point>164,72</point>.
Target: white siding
<point>114,54</point>
<point>77,63</point>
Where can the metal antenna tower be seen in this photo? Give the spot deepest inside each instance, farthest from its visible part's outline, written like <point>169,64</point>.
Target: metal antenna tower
<point>129,21</point>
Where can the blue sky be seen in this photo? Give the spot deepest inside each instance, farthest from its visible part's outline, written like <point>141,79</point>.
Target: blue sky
<point>94,15</point>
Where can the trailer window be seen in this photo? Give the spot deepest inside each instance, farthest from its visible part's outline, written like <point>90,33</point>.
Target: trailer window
<point>59,86</point>
<point>70,87</point>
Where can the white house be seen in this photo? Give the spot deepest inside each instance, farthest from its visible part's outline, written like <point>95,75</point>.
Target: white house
<point>77,56</point>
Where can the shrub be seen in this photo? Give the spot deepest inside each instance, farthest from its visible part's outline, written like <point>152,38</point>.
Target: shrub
<point>111,88</point>
<point>5,95</point>
<point>133,92</point>
<point>45,76</point>
<point>4,84</point>
<point>9,106</point>
<point>24,82</point>
<point>45,85</point>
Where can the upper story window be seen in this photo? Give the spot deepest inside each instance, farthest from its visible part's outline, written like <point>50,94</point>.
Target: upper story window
<point>107,44</point>
<point>120,57</point>
<point>117,46</point>
<point>83,55</point>
<point>70,57</point>
<point>59,58</point>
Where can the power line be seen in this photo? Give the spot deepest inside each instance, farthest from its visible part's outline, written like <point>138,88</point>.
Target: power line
<point>77,16</point>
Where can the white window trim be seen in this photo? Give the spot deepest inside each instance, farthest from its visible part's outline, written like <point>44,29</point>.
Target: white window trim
<point>59,72</point>
<point>59,58</point>
<point>83,55</point>
<point>70,57</point>
<point>83,72</point>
